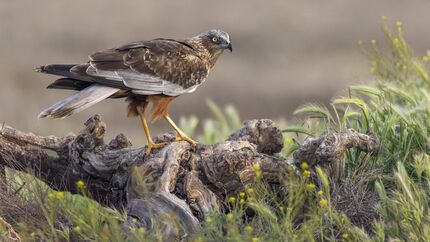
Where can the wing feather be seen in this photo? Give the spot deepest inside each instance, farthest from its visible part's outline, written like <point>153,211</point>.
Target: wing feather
<point>160,66</point>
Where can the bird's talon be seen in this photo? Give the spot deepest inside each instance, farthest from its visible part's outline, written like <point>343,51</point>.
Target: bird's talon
<point>186,138</point>
<point>154,146</point>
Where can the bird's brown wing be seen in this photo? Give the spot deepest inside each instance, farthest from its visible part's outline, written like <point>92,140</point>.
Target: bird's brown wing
<point>159,66</point>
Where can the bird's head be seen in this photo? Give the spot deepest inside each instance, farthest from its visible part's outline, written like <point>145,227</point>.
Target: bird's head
<point>215,41</point>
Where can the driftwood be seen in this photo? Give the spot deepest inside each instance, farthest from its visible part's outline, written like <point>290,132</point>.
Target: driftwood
<point>178,182</point>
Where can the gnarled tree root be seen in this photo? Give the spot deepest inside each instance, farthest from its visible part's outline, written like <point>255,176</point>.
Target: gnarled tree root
<point>179,182</point>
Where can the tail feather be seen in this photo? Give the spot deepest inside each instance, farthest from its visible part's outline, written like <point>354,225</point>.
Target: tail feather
<point>69,84</point>
<point>60,69</point>
<point>68,70</point>
<point>76,72</point>
<point>78,102</point>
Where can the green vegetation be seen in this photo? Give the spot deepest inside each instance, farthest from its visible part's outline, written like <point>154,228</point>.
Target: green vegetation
<point>379,198</point>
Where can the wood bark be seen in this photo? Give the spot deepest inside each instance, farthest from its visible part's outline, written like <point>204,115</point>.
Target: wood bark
<point>179,182</point>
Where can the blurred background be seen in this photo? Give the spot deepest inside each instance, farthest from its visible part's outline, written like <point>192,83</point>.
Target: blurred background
<point>285,53</point>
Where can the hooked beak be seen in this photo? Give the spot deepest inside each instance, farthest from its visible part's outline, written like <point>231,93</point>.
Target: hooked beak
<point>230,47</point>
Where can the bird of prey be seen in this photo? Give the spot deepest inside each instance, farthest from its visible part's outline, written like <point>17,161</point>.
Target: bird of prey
<point>152,71</point>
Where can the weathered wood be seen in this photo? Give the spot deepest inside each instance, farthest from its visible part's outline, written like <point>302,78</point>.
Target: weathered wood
<point>328,151</point>
<point>177,184</point>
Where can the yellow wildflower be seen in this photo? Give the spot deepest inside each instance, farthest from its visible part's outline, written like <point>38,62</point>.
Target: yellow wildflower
<point>51,195</point>
<point>306,173</point>
<point>425,59</point>
<point>249,191</point>
<point>232,199</point>
<point>77,229</point>
<point>141,230</point>
<point>256,167</point>
<point>255,239</point>
<point>320,193</point>
<point>80,184</point>
<point>242,201</point>
<point>60,195</point>
<point>310,186</point>
<point>242,195</point>
<point>345,235</point>
<point>399,25</point>
<point>258,174</point>
<point>229,216</point>
<point>248,229</point>
<point>323,202</point>
<point>288,141</point>
<point>304,166</point>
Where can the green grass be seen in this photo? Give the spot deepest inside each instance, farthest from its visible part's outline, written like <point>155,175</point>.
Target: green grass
<point>379,198</point>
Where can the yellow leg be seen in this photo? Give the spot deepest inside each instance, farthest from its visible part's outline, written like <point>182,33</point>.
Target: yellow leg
<point>151,144</point>
<point>181,135</point>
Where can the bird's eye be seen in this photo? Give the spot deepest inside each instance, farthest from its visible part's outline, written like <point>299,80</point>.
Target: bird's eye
<point>214,39</point>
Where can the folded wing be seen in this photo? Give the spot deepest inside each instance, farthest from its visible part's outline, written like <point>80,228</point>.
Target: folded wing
<point>151,67</point>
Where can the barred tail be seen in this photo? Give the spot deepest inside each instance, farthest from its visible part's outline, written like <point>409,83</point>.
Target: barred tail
<point>78,102</point>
